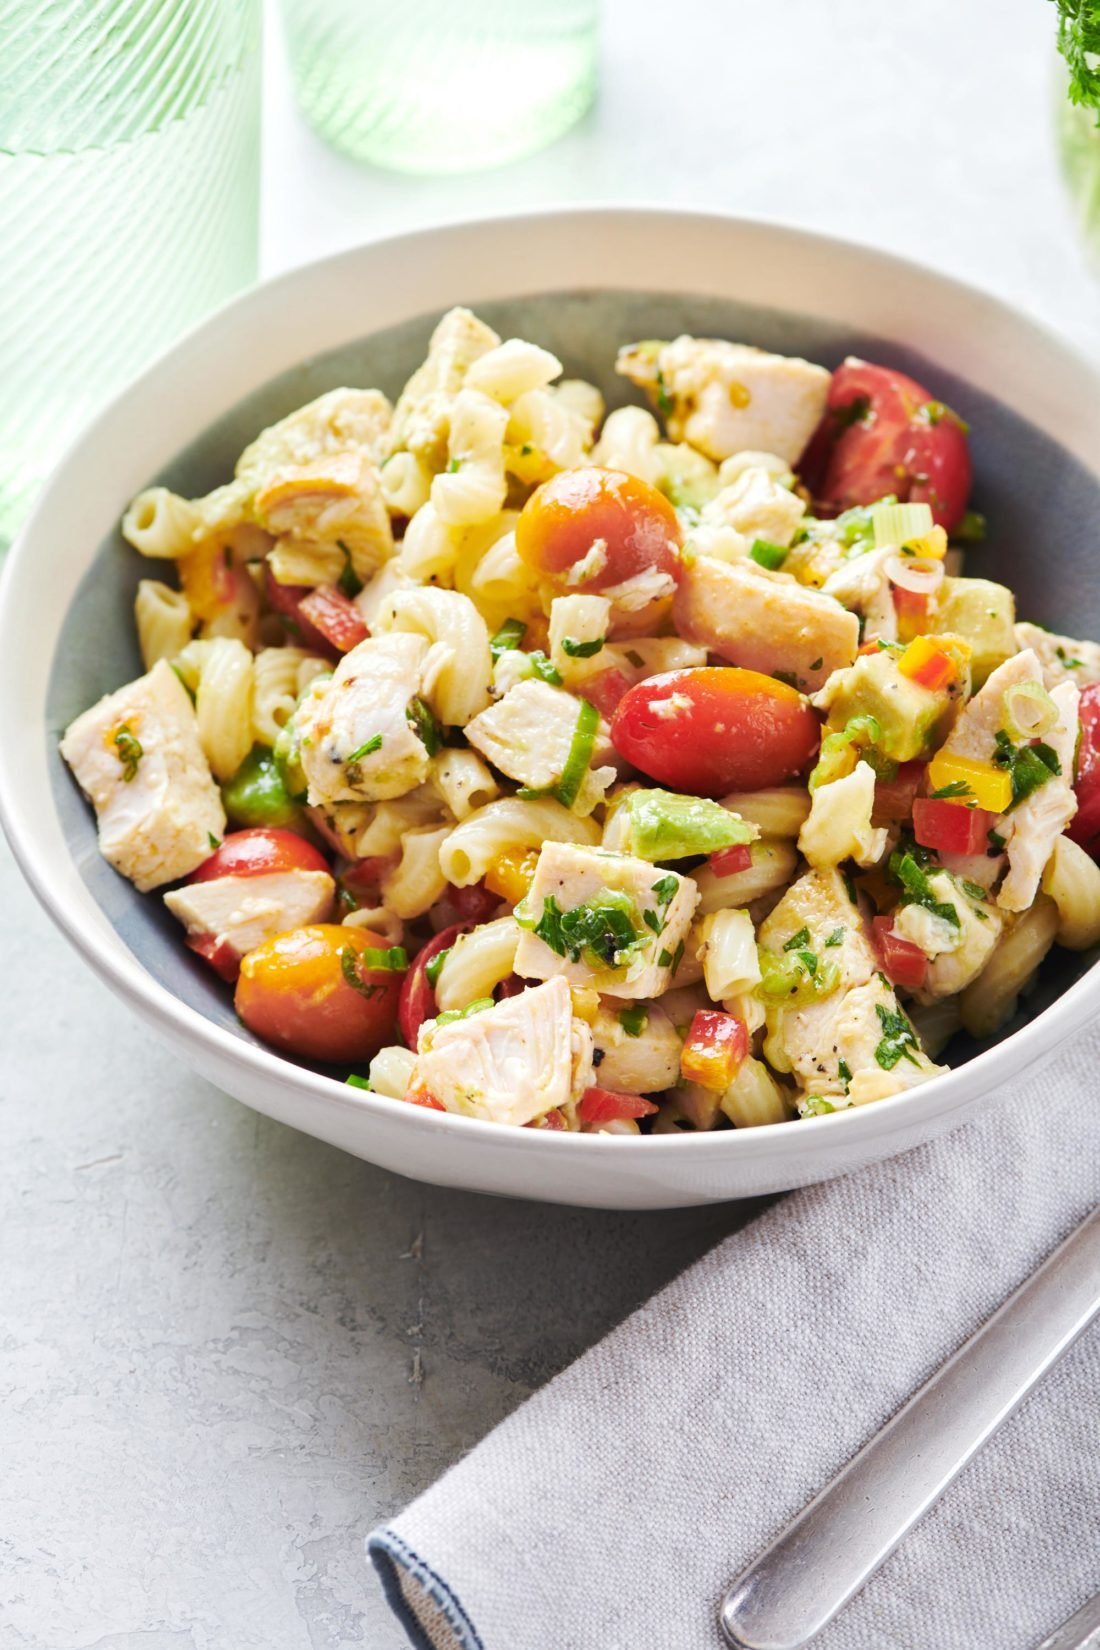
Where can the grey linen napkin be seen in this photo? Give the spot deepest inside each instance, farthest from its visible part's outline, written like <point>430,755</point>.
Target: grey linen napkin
<point>613,1508</point>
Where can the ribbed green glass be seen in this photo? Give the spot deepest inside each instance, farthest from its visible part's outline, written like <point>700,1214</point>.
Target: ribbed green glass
<point>129,199</point>
<point>1079,141</point>
<point>442,85</point>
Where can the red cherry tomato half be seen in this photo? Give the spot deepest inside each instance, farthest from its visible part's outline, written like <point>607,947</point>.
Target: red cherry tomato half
<point>950,827</point>
<point>316,992</point>
<point>221,956</point>
<point>884,433</point>
<point>417,1000</point>
<point>569,514</point>
<point>608,1106</point>
<point>475,903</point>
<point>1084,828</point>
<point>337,618</point>
<point>903,963</point>
<point>254,853</point>
<point>715,729</point>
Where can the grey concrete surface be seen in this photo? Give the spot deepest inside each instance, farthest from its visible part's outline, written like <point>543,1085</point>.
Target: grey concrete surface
<point>209,1325</point>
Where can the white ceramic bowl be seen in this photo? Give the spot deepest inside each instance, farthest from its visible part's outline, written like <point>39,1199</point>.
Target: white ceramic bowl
<point>65,631</point>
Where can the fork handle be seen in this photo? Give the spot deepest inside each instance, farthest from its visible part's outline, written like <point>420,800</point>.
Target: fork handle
<point>813,1568</point>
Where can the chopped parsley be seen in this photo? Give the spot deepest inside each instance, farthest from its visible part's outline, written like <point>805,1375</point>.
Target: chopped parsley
<point>835,938</point>
<point>849,883</point>
<point>898,1039</point>
<point>129,752</point>
<point>1029,766</point>
<point>526,450</point>
<point>434,966</point>
<point>996,843</point>
<point>957,787</point>
<point>603,930</point>
<point>818,662</point>
<point>671,959</point>
<point>795,975</point>
<point>508,637</point>
<point>368,748</point>
<point>633,1020</point>
<point>788,678</point>
<point>916,889</point>
<point>454,465</point>
<point>971,529</point>
<point>423,723</point>
<point>349,581</point>
<point>664,400</point>
<point>581,650</point>
<point>214,841</point>
<point>851,412</point>
<point>1066,662</point>
<point>797,940</point>
<point>665,889</point>
<point>974,889</point>
<point>844,1072</point>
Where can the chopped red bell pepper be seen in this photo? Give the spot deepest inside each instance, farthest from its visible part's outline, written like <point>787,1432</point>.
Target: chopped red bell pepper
<point>605,689</point>
<point>714,1047</point>
<point>951,827</point>
<point>553,1120</point>
<point>912,612</point>
<point>335,616</point>
<point>362,881</point>
<point>609,1106</point>
<point>726,862</point>
<point>894,797</point>
<point>475,903</point>
<point>903,963</point>
<point>221,956</point>
<point>286,600</point>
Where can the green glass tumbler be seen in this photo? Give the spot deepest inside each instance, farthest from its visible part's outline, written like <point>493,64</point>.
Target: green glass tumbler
<point>129,199</point>
<point>1079,144</point>
<point>442,85</point>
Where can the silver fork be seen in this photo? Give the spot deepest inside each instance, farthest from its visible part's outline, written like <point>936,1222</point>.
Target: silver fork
<point>808,1574</point>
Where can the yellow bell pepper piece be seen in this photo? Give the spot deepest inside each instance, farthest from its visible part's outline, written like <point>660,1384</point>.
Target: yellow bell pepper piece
<point>989,787</point>
<point>512,873</point>
<point>927,663</point>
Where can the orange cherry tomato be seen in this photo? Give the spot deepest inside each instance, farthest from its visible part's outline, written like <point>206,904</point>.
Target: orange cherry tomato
<point>256,852</point>
<point>715,729</point>
<point>577,509</point>
<point>319,992</point>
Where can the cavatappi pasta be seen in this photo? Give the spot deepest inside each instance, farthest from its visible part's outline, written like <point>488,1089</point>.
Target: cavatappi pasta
<point>638,774</point>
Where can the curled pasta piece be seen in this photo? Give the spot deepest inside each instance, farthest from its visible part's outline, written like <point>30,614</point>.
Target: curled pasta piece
<point>223,703</point>
<point>429,549</point>
<point>458,669</point>
<point>163,619</point>
<point>511,369</point>
<point>780,810</point>
<point>379,921</point>
<point>508,825</point>
<point>754,1097</point>
<point>280,674</point>
<point>546,422</point>
<point>477,962</point>
<point>379,836</point>
<point>935,1024</point>
<point>417,880</point>
<point>991,999</point>
<point>406,483</point>
<point>773,866</point>
<point>473,486</point>
<point>463,781</point>
<point>391,1071</point>
<point>728,953</point>
<point>502,585</point>
<point>161,524</point>
<point>1072,879</point>
<point>628,441</point>
<point>583,400</point>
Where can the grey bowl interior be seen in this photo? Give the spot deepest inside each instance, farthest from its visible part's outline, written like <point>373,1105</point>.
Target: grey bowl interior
<point>1043,508</point>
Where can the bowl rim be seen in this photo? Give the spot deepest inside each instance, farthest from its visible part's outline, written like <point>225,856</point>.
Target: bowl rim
<point>181,1023</point>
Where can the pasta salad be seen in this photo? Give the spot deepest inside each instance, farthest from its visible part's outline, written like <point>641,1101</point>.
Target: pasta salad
<point>642,773</point>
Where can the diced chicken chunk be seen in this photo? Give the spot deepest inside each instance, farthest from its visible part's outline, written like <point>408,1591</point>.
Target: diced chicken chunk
<point>136,755</point>
<point>242,912</point>
<point>422,417</point>
<point>764,621</point>
<point>334,504</point>
<point>1032,827</point>
<point>340,421</point>
<point>727,397</point>
<point>1035,824</point>
<point>754,506</point>
<point>510,1063</point>
<point>956,955</point>
<point>820,903</point>
<point>1063,659</point>
<point>635,1055</point>
<point>607,921</point>
<point>528,735</point>
<point>357,743</point>
<point>839,824</point>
